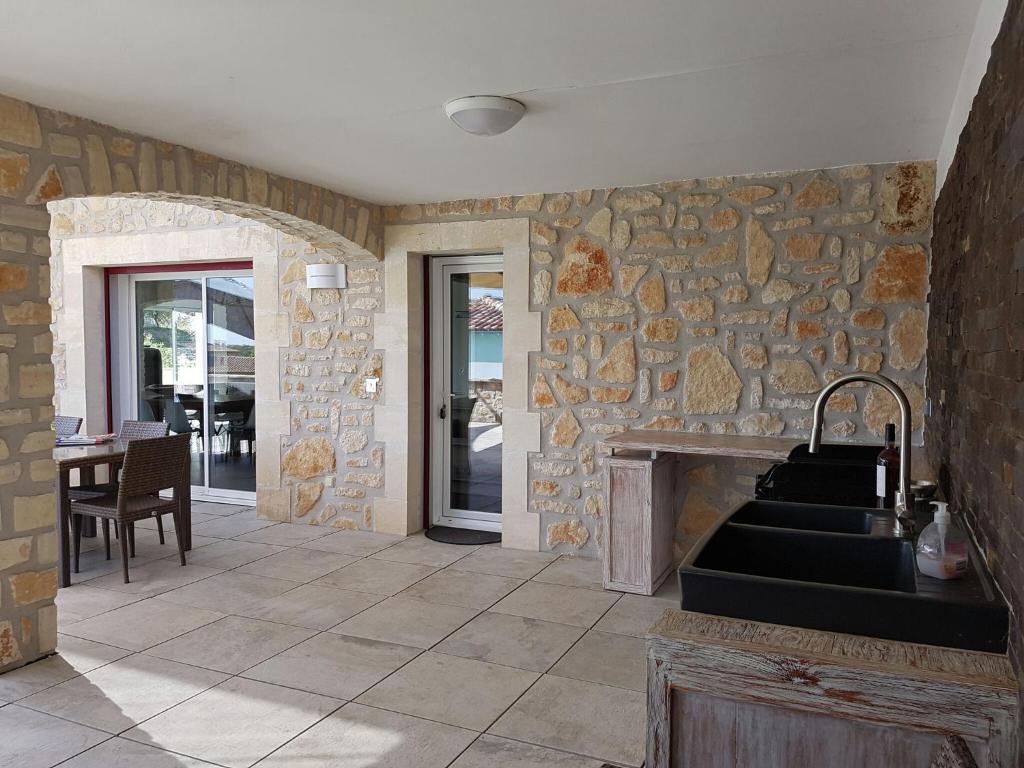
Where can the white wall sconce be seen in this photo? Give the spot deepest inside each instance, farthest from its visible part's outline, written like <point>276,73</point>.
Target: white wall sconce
<point>326,276</point>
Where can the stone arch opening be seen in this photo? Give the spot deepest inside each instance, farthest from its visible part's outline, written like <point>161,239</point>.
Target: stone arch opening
<point>308,379</point>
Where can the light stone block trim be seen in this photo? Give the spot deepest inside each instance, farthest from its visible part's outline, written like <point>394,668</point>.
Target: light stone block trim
<point>400,416</point>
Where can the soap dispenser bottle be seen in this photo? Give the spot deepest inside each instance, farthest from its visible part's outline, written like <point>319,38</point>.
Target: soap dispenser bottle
<point>942,550</point>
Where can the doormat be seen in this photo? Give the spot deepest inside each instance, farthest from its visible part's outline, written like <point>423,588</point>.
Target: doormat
<point>446,535</point>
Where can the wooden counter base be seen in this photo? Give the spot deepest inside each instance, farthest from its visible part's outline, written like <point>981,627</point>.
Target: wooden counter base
<point>724,693</point>
<point>641,487</point>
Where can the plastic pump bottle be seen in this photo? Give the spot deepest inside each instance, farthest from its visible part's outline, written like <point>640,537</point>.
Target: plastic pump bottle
<point>942,550</point>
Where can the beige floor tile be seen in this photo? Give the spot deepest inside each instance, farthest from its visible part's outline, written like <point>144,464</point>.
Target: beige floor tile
<point>407,621</point>
<point>298,564</point>
<point>35,740</point>
<point>80,601</point>
<point>154,578</point>
<point>506,562</point>
<point>634,614</point>
<point>584,718</point>
<point>582,572</point>
<point>379,577</point>
<point>118,696</point>
<point>232,644</point>
<point>602,657</point>
<point>239,591</point>
<point>333,665</point>
<point>364,737</point>
<point>231,526</point>
<point>357,543</point>
<point>470,590</point>
<point>236,723</point>
<point>493,752</point>
<point>221,510</point>
<point>226,554</point>
<point>311,606</point>
<point>143,624</point>
<point>420,550</point>
<point>121,753</point>
<point>285,534</point>
<point>74,657</point>
<point>198,517</point>
<point>450,689</point>
<point>552,602</point>
<point>511,640</point>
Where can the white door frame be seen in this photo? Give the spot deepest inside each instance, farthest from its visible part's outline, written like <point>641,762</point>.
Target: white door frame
<point>129,346</point>
<point>441,267</point>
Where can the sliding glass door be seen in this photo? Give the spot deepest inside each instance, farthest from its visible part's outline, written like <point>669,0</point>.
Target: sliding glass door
<point>193,355</point>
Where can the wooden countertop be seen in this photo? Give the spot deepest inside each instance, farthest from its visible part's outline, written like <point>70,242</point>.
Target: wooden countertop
<point>739,446</point>
<point>908,660</point>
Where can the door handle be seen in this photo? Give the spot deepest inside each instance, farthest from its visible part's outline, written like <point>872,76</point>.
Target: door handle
<point>443,413</point>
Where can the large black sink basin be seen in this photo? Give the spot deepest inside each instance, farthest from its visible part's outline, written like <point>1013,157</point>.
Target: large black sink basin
<point>814,517</point>
<point>847,561</point>
<point>758,564</point>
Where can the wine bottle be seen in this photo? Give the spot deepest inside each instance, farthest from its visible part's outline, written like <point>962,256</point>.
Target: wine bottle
<point>887,470</point>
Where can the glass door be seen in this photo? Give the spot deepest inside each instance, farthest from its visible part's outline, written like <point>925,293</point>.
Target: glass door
<point>466,391</point>
<point>194,360</point>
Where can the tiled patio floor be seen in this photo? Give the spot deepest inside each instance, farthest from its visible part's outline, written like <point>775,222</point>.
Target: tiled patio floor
<point>289,645</point>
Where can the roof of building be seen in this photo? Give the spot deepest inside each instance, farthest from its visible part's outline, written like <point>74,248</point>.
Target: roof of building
<point>486,314</point>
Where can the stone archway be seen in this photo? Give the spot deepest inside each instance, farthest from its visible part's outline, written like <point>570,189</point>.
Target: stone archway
<point>48,156</point>
<point>299,335</point>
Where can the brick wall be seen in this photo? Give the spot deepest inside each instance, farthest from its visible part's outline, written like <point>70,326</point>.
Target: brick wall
<point>976,334</point>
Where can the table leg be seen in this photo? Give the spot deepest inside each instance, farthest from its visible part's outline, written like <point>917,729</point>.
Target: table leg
<point>87,476</point>
<point>63,518</point>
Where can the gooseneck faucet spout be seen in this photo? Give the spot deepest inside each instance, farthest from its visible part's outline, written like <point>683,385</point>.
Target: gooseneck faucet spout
<point>903,492</point>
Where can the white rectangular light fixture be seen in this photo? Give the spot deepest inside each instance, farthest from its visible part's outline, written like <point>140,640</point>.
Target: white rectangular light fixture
<point>326,276</point>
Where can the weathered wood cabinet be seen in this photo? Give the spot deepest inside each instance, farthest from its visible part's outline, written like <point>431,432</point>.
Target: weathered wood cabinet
<point>641,518</point>
<point>727,693</point>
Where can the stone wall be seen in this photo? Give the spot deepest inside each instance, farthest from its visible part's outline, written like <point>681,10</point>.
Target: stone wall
<point>976,338</point>
<point>715,305</point>
<point>332,467</point>
<point>47,155</point>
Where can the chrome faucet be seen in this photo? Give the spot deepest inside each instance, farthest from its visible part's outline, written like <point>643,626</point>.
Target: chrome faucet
<point>904,522</point>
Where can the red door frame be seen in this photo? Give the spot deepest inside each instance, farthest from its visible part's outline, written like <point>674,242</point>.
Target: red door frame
<point>143,269</point>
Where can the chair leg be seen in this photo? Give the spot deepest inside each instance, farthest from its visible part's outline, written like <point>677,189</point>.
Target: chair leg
<point>131,539</point>
<point>76,539</point>
<point>160,527</point>
<point>106,537</point>
<point>178,534</point>
<point>122,528</point>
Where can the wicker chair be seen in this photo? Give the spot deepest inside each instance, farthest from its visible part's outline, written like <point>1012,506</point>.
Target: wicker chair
<point>954,753</point>
<point>150,466</point>
<point>66,426</point>
<point>130,430</point>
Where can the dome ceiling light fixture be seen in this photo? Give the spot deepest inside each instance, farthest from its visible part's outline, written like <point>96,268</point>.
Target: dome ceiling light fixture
<point>484,115</point>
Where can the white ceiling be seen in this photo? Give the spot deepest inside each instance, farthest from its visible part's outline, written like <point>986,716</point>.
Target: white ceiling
<point>348,93</point>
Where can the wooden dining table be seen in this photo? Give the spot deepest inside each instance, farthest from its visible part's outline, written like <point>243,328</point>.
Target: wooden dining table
<point>85,458</point>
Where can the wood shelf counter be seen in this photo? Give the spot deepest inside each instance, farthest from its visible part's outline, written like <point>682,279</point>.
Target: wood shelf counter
<point>725,692</point>
<point>643,493</point>
<point>736,446</point>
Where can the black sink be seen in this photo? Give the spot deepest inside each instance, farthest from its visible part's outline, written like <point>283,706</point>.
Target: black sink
<point>835,575</point>
<point>847,561</point>
<point>814,517</point>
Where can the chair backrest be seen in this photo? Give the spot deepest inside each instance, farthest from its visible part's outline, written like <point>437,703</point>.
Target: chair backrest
<point>66,426</point>
<point>142,430</point>
<point>176,418</point>
<point>154,465</point>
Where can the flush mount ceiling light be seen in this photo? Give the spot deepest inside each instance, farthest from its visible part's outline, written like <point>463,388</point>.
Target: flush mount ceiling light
<point>484,115</point>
